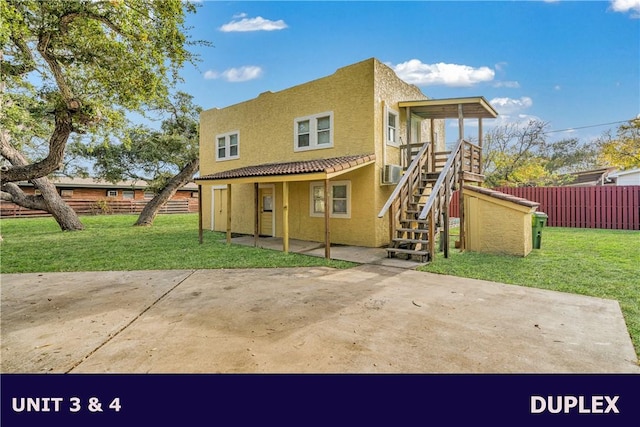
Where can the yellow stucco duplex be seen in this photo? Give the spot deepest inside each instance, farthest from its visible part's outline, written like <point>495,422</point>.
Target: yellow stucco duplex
<point>309,159</point>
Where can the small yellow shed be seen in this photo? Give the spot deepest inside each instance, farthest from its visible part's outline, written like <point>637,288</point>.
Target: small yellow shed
<point>496,222</point>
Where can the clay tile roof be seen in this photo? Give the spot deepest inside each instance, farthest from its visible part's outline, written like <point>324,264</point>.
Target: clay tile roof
<point>334,164</point>
<point>502,196</point>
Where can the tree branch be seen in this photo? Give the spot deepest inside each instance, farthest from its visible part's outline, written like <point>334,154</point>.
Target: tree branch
<point>21,170</point>
<point>12,193</point>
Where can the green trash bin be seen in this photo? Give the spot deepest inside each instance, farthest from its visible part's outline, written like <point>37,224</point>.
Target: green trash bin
<point>538,221</point>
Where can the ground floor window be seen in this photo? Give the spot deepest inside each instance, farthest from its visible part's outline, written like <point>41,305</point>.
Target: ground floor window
<point>339,199</point>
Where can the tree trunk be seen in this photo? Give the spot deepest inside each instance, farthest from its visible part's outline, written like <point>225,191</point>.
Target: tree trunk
<point>151,209</point>
<point>49,200</point>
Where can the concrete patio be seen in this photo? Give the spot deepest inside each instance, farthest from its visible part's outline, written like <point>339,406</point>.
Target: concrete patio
<point>371,318</point>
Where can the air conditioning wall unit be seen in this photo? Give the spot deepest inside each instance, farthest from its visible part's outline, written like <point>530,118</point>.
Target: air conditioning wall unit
<point>391,174</point>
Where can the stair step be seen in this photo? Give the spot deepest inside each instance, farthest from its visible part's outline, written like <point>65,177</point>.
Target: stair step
<point>407,221</point>
<point>408,251</point>
<point>401,240</point>
<point>413,230</point>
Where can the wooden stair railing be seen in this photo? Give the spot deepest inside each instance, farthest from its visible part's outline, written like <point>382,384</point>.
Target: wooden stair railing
<point>419,205</point>
<point>407,234</point>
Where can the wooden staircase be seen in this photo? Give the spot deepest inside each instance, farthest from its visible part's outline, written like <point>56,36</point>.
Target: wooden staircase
<point>419,205</point>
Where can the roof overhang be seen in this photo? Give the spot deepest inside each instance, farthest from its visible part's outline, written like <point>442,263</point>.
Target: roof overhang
<point>450,108</point>
<point>310,170</point>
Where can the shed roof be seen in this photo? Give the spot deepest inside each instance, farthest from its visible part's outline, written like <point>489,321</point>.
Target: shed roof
<point>502,196</point>
<point>447,108</point>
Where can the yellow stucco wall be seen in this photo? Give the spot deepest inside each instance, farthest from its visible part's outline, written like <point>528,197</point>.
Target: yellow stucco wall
<point>497,226</point>
<point>357,96</point>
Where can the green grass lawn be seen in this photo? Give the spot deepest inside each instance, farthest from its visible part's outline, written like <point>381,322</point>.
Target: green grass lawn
<point>110,242</point>
<point>599,263</point>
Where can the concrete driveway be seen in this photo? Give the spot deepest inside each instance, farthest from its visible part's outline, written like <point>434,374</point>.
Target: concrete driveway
<point>371,318</point>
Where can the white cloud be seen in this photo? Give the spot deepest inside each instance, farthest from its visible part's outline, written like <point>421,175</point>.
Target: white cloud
<point>415,72</point>
<point>211,74</point>
<point>508,84</point>
<point>511,111</point>
<point>509,106</point>
<point>624,6</point>
<point>235,75</point>
<point>252,24</point>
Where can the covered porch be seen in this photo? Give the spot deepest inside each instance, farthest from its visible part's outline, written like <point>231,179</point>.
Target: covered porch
<point>282,174</point>
<point>350,253</point>
<point>442,109</point>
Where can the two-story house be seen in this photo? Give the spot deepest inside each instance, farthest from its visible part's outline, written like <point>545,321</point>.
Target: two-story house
<point>326,160</point>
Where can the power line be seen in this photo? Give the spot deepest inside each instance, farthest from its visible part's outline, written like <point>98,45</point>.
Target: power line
<point>589,126</point>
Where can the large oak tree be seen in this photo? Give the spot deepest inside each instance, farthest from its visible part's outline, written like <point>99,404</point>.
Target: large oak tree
<point>165,158</point>
<point>78,66</point>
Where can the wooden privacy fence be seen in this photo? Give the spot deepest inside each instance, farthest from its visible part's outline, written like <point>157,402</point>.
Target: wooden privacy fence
<point>103,206</point>
<point>581,207</point>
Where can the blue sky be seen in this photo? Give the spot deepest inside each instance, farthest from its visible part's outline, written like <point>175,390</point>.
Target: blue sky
<point>573,64</point>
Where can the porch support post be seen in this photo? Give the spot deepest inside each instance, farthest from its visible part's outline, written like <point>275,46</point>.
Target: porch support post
<point>480,145</point>
<point>432,235</point>
<point>460,122</point>
<point>200,213</point>
<point>409,141</point>
<point>460,182</point>
<point>228,213</point>
<point>285,216</point>
<point>256,225</point>
<point>444,240</point>
<point>432,131</point>
<point>327,230</point>
<point>461,211</point>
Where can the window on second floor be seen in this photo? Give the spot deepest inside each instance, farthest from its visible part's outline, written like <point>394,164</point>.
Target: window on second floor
<point>313,132</point>
<point>228,146</point>
<point>392,127</point>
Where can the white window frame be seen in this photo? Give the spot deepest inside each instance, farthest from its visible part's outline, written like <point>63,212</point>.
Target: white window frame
<point>227,146</point>
<point>112,193</point>
<point>313,131</point>
<point>128,194</point>
<point>389,141</point>
<point>332,184</point>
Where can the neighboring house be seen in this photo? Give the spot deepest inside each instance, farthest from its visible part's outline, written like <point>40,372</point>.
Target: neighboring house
<point>626,177</point>
<point>334,160</point>
<point>83,193</point>
<point>602,176</point>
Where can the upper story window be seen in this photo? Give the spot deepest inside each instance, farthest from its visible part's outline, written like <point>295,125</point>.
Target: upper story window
<point>392,127</point>
<point>313,132</point>
<point>228,146</point>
